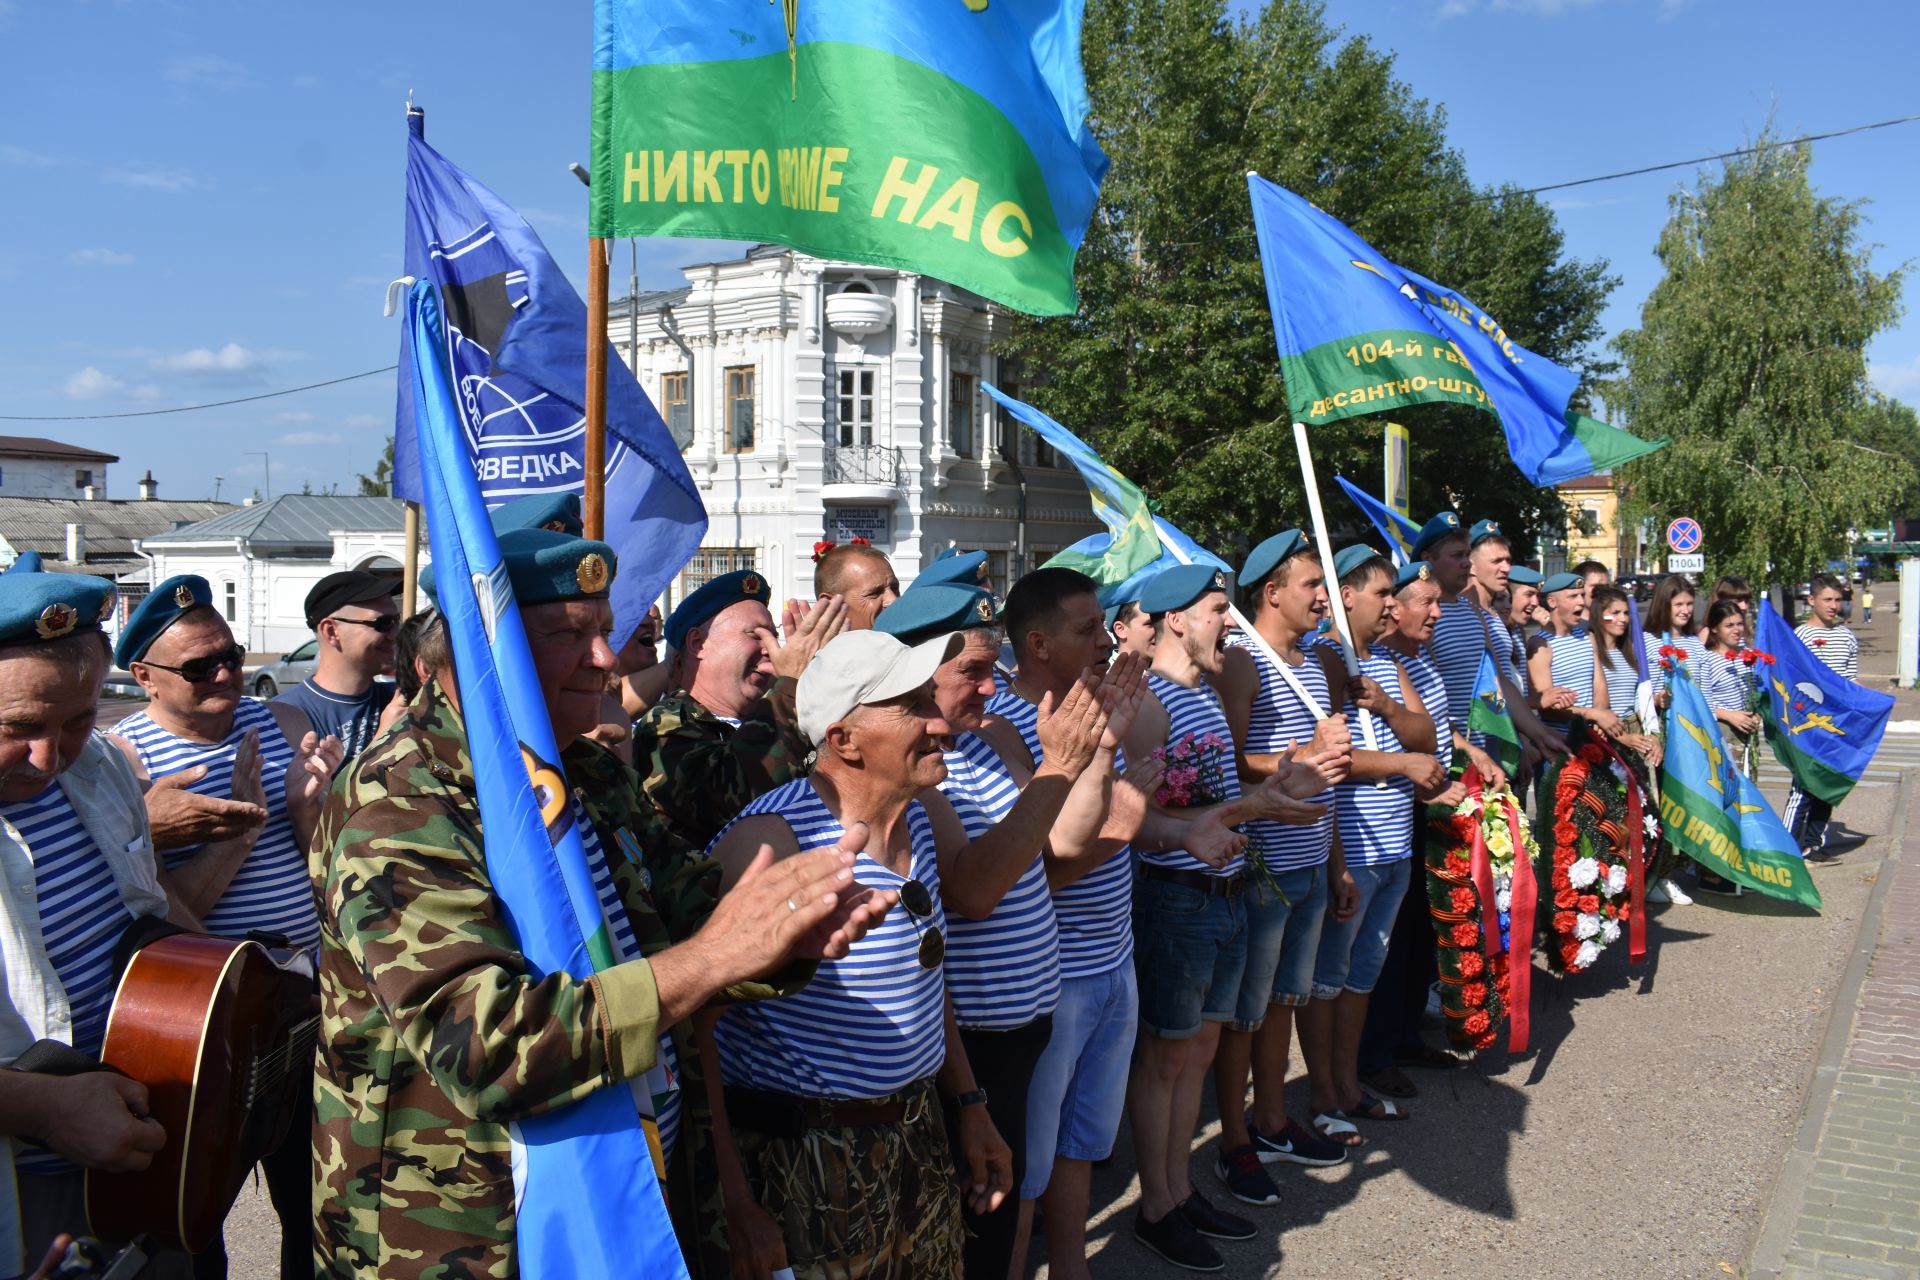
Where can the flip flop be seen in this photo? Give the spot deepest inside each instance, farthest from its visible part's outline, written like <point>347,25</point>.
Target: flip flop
<point>1333,1125</point>
<point>1428,1057</point>
<point>1373,1108</point>
<point>1394,1083</point>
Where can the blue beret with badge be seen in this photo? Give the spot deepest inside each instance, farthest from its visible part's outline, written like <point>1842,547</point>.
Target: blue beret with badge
<point>1522,576</point>
<point>1172,590</point>
<point>164,606</point>
<point>1441,526</point>
<point>545,566</point>
<point>559,512</point>
<point>1269,555</point>
<point>705,602</point>
<point>36,606</point>
<point>1412,572</point>
<point>1482,530</point>
<point>1347,559</point>
<point>921,613</point>
<point>958,568</point>
<point>1560,582</point>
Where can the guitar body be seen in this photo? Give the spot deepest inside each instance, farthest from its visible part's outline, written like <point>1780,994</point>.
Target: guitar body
<point>222,1036</point>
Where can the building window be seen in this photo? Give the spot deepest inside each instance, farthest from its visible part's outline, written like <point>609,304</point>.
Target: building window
<point>676,406</point>
<point>710,562</point>
<point>740,409</point>
<point>960,413</point>
<point>232,594</point>
<point>81,479</point>
<point>856,407</point>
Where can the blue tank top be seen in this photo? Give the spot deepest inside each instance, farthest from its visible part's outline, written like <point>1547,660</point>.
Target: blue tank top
<point>1277,720</point>
<point>272,890</point>
<point>1195,711</point>
<point>1571,667</point>
<point>1094,914</point>
<point>870,1023</point>
<point>1376,823</point>
<point>1004,971</point>
<point>1459,638</point>
<point>1622,681</point>
<point>1426,681</point>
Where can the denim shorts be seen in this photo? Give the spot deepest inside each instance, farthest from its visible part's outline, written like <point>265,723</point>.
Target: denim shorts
<point>1190,949</point>
<point>1352,951</point>
<point>1283,938</point>
<point>1079,1087</point>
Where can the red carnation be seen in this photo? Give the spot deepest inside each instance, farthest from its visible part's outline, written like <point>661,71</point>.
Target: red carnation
<point>1624,910</point>
<point>1592,753</point>
<point>1570,956</point>
<point>1767,658</point>
<point>1563,922</point>
<point>1463,900</point>
<point>1472,964</point>
<point>1475,994</point>
<point>1458,865</point>
<point>1465,935</point>
<point>1565,899</point>
<point>1487,1040</point>
<point>1820,640</point>
<point>1609,910</point>
<point>1589,903</point>
<point>1477,1022</point>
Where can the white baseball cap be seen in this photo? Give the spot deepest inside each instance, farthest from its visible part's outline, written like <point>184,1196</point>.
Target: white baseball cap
<point>859,668</point>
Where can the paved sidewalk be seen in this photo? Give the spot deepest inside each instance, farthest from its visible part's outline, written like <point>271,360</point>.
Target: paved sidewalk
<point>1848,1199</point>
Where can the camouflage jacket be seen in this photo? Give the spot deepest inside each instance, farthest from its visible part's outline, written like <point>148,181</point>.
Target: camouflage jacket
<point>701,771</point>
<point>434,1036</point>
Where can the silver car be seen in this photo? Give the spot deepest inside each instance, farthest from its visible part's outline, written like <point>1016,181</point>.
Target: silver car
<point>288,670</point>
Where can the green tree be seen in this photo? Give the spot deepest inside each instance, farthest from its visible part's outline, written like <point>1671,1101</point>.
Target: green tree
<point>380,483</point>
<point>1169,367</point>
<point>1751,356</point>
<point>1891,430</point>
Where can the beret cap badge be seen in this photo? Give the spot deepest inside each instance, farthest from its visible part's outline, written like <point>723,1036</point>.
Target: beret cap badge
<point>183,596</point>
<point>56,620</point>
<point>591,573</point>
<point>750,585</point>
<point>1425,572</point>
<point>984,608</point>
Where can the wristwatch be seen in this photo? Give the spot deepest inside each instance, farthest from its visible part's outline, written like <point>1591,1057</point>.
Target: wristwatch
<point>971,1098</point>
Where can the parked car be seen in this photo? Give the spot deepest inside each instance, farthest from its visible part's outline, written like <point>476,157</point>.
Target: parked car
<point>287,671</point>
<point>1639,585</point>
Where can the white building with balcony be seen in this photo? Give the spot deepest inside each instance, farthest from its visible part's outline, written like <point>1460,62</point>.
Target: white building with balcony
<point>825,400</point>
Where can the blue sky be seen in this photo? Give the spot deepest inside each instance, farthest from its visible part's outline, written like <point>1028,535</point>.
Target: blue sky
<point>203,200</point>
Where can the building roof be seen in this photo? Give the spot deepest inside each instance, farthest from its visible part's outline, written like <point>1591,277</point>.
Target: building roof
<point>1586,484</point>
<point>41,447</point>
<point>292,520</point>
<point>654,299</point>
<point>108,526</point>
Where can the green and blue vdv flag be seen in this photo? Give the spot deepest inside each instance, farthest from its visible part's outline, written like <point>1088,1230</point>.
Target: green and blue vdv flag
<point>516,335</point>
<point>1137,544</point>
<point>1398,530</point>
<point>1359,335</point>
<point>1714,814</point>
<point>1489,717</point>
<point>936,136</point>
<point>588,1202</point>
<point>1822,726</point>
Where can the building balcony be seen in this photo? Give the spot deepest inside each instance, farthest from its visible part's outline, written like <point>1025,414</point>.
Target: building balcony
<point>859,314</point>
<point>860,473</point>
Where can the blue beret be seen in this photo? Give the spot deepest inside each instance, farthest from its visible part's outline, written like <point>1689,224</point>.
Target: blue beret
<point>162,608</point>
<point>1347,559</point>
<point>1113,613</point>
<point>1484,529</point>
<point>1435,529</point>
<point>35,605</point>
<point>707,600</point>
<point>1177,588</point>
<point>962,568</point>
<point>1524,576</point>
<point>1266,557</point>
<point>1559,582</point>
<point>26,562</point>
<point>559,512</point>
<point>946,553</point>
<point>1412,572</point>
<point>921,613</point>
<point>544,566</point>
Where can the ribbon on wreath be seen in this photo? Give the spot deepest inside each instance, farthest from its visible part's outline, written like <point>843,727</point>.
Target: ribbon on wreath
<point>1525,893</point>
<point>1636,859</point>
<point>1480,867</point>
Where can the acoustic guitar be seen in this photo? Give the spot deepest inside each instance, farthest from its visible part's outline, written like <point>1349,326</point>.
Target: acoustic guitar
<point>222,1034</point>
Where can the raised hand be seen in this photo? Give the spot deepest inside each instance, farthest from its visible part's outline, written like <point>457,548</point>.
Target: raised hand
<point>1272,801</point>
<point>1125,691</point>
<point>808,626</point>
<point>179,818</point>
<point>309,775</point>
<point>1071,732</point>
<point>1132,794</point>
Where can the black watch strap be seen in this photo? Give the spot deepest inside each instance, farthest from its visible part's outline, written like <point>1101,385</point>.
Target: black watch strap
<point>972,1097</point>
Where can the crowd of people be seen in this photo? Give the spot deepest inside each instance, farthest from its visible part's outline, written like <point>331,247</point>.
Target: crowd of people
<point>914,897</point>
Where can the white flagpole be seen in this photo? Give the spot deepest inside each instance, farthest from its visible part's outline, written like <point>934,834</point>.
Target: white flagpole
<point>1341,626</point>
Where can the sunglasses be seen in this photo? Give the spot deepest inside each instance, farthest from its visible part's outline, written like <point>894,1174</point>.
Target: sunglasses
<point>918,902</point>
<point>385,624</point>
<point>201,670</point>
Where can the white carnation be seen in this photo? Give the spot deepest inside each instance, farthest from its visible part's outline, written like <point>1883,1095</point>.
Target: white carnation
<point>1586,926</point>
<point>1616,879</point>
<point>1583,872</point>
<point>1588,954</point>
<point>1610,931</point>
<point>1503,899</point>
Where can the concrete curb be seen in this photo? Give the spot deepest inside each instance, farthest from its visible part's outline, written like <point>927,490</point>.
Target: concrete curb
<point>1768,1255</point>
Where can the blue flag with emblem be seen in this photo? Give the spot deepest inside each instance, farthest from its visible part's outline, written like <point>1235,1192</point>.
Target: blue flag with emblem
<point>1398,530</point>
<point>516,335</point>
<point>1822,726</point>
<point>1360,335</point>
<point>1714,814</point>
<point>587,1198</point>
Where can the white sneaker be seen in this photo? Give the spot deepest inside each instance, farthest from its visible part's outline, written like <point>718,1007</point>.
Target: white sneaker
<point>1668,890</point>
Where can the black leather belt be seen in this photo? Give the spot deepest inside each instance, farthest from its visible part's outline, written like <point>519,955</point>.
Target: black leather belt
<point>1213,886</point>
<point>785,1115</point>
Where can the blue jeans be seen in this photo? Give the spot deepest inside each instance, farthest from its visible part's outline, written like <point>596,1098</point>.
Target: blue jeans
<point>1352,951</point>
<point>1079,1086</point>
<point>1190,949</point>
<point>1283,938</point>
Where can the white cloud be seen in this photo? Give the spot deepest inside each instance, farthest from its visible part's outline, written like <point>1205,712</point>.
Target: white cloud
<point>297,438</point>
<point>153,178</point>
<point>362,421</point>
<point>91,384</point>
<point>1900,380</point>
<point>26,158</point>
<point>99,258</point>
<point>230,359</point>
<point>208,71</point>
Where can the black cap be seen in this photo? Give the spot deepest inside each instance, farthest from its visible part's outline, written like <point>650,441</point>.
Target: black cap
<point>349,586</point>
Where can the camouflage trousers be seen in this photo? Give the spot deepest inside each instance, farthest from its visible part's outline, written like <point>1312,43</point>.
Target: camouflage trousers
<point>869,1203</point>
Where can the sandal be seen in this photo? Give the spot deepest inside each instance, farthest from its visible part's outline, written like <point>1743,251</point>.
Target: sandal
<point>1393,1082</point>
<point>1333,1125</point>
<point>1372,1108</point>
<point>1428,1057</point>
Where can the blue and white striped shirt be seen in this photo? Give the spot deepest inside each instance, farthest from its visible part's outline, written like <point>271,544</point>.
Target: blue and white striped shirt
<point>1004,971</point>
<point>1623,681</point>
<point>1727,684</point>
<point>1376,823</point>
<point>1424,676</point>
<point>1196,711</point>
<point>1571,659</point>
<point>271,891</point>
<point>1838,647</point>
<point>81,918</point>
<point>1094,914</point>
<point>870,1023</point>
<point>1688,644</point>
<point>1459,638</point>
<point>1279,719</point>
